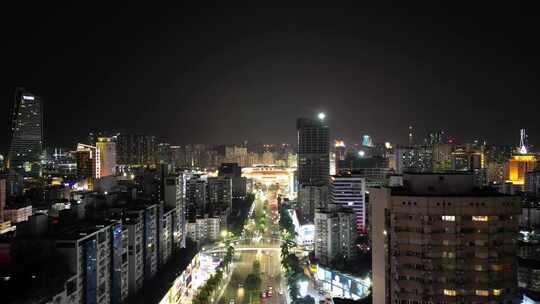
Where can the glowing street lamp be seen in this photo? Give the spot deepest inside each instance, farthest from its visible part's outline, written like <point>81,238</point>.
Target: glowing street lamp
<point>321,116</point>
<point>224,233</point>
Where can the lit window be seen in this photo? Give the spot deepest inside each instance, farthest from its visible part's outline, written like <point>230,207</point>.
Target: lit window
<point>497,267</point>
<point>450,292</point>
<point>480,218</point>
<point>497,292</point>
<point>479,267</point>
<point>482,292</point>
<point>448,218</point>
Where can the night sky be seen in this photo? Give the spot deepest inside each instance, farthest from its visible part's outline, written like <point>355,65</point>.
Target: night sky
<point>225,74</point>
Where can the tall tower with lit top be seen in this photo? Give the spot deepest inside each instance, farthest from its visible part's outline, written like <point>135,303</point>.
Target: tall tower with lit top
<point>521,163</point>
<point>26,145</point>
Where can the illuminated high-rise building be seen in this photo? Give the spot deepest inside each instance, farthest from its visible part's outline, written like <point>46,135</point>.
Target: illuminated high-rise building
<point>196,197</point>
<point>335,233</point>
<point>173,196</point>
<point>521,162</point>
<point>26,144</point>
<point>333,163</point>
<point>340,149</point>
<point>367,141</point>
<point>439,239</point>
<point>349,191</point>
<point>313,151</point>
<point>518,166</point>
<point>236,154</point>
<point>88,163</point>
<point>107,153</point>
<point>411,136</point>
<point>220,191</point>
<point>136,149</point>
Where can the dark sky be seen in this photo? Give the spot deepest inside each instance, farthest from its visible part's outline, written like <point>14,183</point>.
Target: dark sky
<point>225,74</point>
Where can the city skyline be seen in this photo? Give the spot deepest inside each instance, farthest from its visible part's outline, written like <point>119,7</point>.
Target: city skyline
<point>200,74</point>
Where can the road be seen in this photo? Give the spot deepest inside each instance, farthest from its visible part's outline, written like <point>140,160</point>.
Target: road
<point>270,260</point>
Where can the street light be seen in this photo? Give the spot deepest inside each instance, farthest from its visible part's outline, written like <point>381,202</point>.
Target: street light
<point>321,116</point>
<point>224,233</point>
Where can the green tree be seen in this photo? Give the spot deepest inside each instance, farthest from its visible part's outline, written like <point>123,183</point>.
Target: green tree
<point>253,282</point>
<point>256,267</point>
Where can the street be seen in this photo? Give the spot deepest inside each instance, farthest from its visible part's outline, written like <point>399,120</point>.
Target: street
<point>269,258</point>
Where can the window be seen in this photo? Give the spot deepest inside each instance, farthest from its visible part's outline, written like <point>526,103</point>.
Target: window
<point>479,243</point>
<point>497,267</point>
<point>448,218</point>
<point>480,218</point>
<point>497,292</point>
<point>450,292</point>
<point>482,292</point>
<point>448,254</point>
<point>479,267</point>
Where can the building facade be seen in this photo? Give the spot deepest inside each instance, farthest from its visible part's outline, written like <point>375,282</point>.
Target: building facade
<point>350,191</point>
<point>26,146</point>
<point>174,189</point>
<point>107,152</point>
<point>220,191</point>
<point>440,240</point>
<point>195,197</point>
<point>310,198</point>
<point>313,151</point>
<point>335,233</point>
<point>136,150</point>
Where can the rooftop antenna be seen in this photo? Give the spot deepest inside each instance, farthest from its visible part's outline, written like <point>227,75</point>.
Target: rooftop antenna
<point>523,141</point>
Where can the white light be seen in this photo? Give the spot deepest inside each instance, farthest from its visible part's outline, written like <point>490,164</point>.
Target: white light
<point>321,116</point>
<point>28,97</point>
<point>303,288</point>
<point>361,153</point>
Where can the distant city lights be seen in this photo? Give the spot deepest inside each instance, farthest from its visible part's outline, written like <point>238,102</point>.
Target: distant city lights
<point>339,143</point>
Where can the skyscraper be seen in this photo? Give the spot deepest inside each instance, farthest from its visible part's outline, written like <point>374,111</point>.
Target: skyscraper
<point>26,144</point>
<point>335,233</point>
<point>313,151</point>
<point>349,191</point>
<point>439,239</point>
<point>195,197</point>
<point>136,150</point>
<point>107,152</point>
<point>220,191</point>
<point>174,188</point>
<point>88,163</point>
